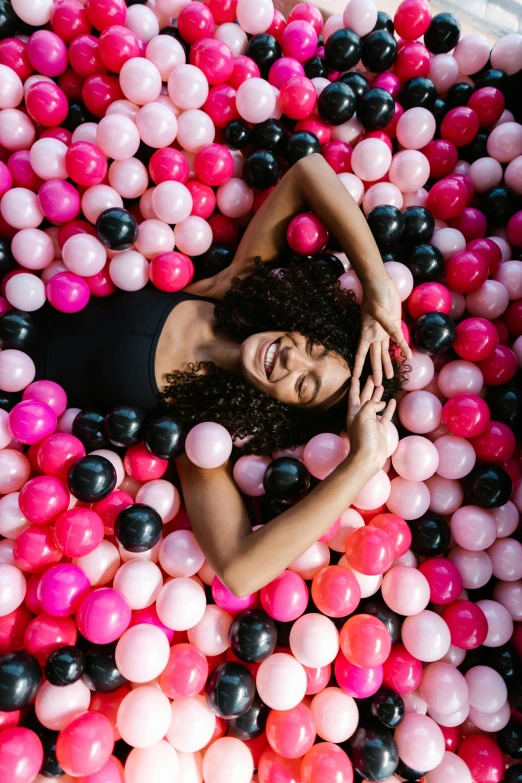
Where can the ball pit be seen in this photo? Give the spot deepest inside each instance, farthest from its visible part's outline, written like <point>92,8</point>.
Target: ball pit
<point>136,141</point>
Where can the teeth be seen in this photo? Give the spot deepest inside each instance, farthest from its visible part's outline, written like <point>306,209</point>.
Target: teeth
<point>269,359</point>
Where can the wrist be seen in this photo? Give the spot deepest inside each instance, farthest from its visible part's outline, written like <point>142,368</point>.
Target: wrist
<point>362,464</point>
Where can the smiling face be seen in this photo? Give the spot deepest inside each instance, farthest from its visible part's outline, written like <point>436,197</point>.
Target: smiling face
<point>289,367</point>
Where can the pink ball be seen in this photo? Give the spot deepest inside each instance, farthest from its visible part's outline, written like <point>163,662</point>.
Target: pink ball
<point>459,377</point>
<point>426,636</point>
<point>281,681</point>
<point>415,128</point>
<point>21,754</point>
<point>466,415</point>
<point>59,201</point>
<point>78,531</point>
<point>103,616</point>
<point>420,412</point>
<point>284,69</point>
<point>306,234</point>
<point>408,499</point>
<point>31,420</point>
<point>500,623</point>
<point>504,555</point>
<point>46,104</point>
<point>142,652</point>
<point>382,193</point>
<point>375,493</point>
<point>62,589</point>
<point>214,58</point>
<point>129,270</point>
<point>17,370</point>
<point>299,40</point>
<point>354,680</point>
<point>286,597</point>
<point>25,291</point>
<point>444,688</point>
<point>476,339</point>
<point>512,174</point>
<point>422,371</point>
<point>405,590</point>
<point>67,292</point>
<point>449,241</point>
<point>473,528</point>
<point>214,165</point>
<point>208,445</point>
<point>180,554</point>
<point>415,458</point>
<point>409,170</point>
<point>475,567</point>
<point>193,236</point>
<point>249,471</point>
<point>227,600</point>
<point>12,90</point>
<point>487,690</point>
<point>160,760</point>
<point>17,131</point>
<point>32,248</point>
<point>420,742</point>
<point>371,159</point>
<point>456,457</point>
<point>505,142</point>
<point>84,255</point>
<point>444,580</point>
<point>47,53</point>
<point>323,453</point>
<point>225,754</point>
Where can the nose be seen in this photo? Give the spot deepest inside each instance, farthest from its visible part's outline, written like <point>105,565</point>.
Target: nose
<point>294,359</point>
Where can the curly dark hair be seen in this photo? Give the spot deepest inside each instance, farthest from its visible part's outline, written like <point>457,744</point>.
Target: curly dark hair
<point>300,298</point>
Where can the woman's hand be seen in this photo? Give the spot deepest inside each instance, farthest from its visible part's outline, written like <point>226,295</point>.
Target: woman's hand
<point>367,434</point>
<point>380,320</point>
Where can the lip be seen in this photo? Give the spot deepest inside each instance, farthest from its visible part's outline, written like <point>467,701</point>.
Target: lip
<point>264,351</point>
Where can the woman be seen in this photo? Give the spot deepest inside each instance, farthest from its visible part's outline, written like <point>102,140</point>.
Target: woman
<point>268,353</point>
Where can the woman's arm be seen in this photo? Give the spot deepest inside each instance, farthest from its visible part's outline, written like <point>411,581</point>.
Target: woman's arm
<point>244,560</point>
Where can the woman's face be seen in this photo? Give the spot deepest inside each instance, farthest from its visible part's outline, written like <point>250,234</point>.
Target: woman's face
<point>294,370</point>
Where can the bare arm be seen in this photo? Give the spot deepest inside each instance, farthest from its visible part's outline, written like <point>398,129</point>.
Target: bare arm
<point>244,560</point>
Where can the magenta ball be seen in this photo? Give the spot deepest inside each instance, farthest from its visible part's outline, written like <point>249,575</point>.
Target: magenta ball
<point>103,616</point>
<point>466,415</point>
<point>306,234</point>
<point>444,579</point>
<point>31,420</point>
<point>68,292</point>
<point>286,597</point>
<point>42,499</point>
<point>171,271</point>
<point>354,680</point>
<point>59,201</point>
<point>62,589</point>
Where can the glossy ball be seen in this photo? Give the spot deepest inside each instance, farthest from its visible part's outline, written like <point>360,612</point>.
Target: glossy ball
<point>253,636</point>
<point>20,675</point>
<point>487,486</point>
<point>138,528</point>
<point>117,229</point>
<point>286,479</point>
<point>373,752</point>
<point>433,333</point>
<point>379,51</point>
<point>92,478</point>
<point>230,690</point>
<point>65,665</point>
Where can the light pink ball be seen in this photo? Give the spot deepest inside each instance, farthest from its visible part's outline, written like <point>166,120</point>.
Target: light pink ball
<point>154,236</point>
<point>374,493</point>
<point>193,236</point>
<point>371,159</point>
<point>471,53</point>
<point>513,175</point>
<point>505,142</point>
<point>84,255</point>
<point>506,559</point>
<point>491,300</point>
<point>142,651</point>
<point>409,170</point>
<point>420,412</point>
<point>101,564</point>
<point>350,520</point>
<point>228,760</point>
<point>504,246</point>
<point>12,589</point>
<point>350,282</point>
<point>117,136</point>
<point>405,590</point>
<point>417,198</point>
<point>444,688</point>
<point>140,81</point>
<point>166,53</point>
<point>234,37</point>
<point>473,528</point>
<point>420,742</point>
<point>181,604</point>
<point>123,106</point>
<point>323,453</point>
<point>452,769</point>
<point>19,207</point>
<point>453,719</point>
<point>314,640</point>
<point>510,275</point>
<point>415,458</point>
<point>159,762</point>
<point>17,131</point>
<point>408,499</point>
<point>188,87</point>
<point>17,370</point>
<point>335,715</point>
<point>456,456</point>
<point>162,496</point>
<point>129,270</point>
<point>235,198</point>
<point>86,131</point>
<point>500,623</point>
<point>349,131</point>
<point>333,23</point>
<point>129,178</point>
<point>12,521</point>
<point>460,377</point>
<point>401,276</point>
<point>421,372</point>
<point>486,173</point>
<point>353,185</point>
<point>475,568</point>
<point>416,128</point>
<point>210,634</point>
<point>509,594</point>
<point>142,21</point>
<point>97,199</point>
<point>248,473</point>
<point>486,688</point>
<point>180,554</point>
<point>25,291</point>
<point>171,202</point>
<point>507,54</point>
<point>47,158</point>
<point>140,582</point>
<point>255,100</point>
<point>313,560</point>
<point>367,584</point>
<point>446,495</point>
<point>195,129</point>
<point>426,636</point>
<point>449,241</point>
<point>192,724</point>
<point>144,714</point>
<point>156,125</point>
<point>382,193</point>
<point>254,19</point>
<point>444,71</point>
<point>32,248</point>
<point>506,519</point>
<point>360,16</point>
<point>11,88</point>
<point>281,682</point>
<point>56,706</point>
<point>492,721</point>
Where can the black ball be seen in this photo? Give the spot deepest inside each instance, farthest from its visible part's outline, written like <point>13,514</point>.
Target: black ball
<point>117,228</point>
<point>426,263</point>
<point>509,740</point>
<point>270,509</point>
<point>513,774</point>
<point>77,115</point>
<point>388,707</point>
<point>439,111</point>
<point>252,723</point>
<point>17,330</point>
<point>270,135</point>
<point>286,479</point>
<point>386,224</point>
<point>101,673</point>
<point>301,144</point>
<point>419,225</point>
<point>373,752</point>
<point>506,661</point>
<point>375,109</point>
<point>329,263</point>
<point>342,50</point>
<point>487,486</point>
<point>237,134</point>
<point>9,399</point>
<point>492,78</point>
<point>408,773</point>
<point>65,665</point>
<point>419,91</point>
<point>357,81</point>
<point>505,404</point>
<point>138,528</point>
<point>264,51</point>
<point>261,169</point>
<point>316,66</point>
<point>230,690</point>
<point>377,608</point>
<point>384,22</point>
<point>336,103</point>
<point>433,333</point>
<point>8,20</point>
<point>165,437</point>
<point>389,255</point>
<point>443,33</point>
<point>88,426</point>
<point>431,535</point>
<point>459,94</point>
<point>379,51</point>
<point>50,767</point>
<point>478,148</point>
<point>92,478</point>
<point>252,636</point>
<point>219,256</point>
<point>124,425</point>
<point>498,205</point>
<point>20,677</point>
<point>7,261</point>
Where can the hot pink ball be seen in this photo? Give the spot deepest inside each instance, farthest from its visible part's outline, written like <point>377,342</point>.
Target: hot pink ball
<point>444,580</point>
<point>46,103</point>
<point>185,673</point>
<point>496,444</point>
<point>78,531</point>
<point>286,597</point>
<point>357,681</point>
<point>466,272</point>
<point>466,415</point>
<point>59,201</point>
<point>85,745</point>
<point>467,623</point>
<point>49,392</point>
<point>283,70</point>
<point>62,589</point>
<point>21,754</point>
<point>31,420</point>
<point>42,499</point>
<point>297,97</point>
<point>214,164</point>
<point>214,59</point>
<point>306,234</point>
<point>429,298</point>
<point>447,198</point>
<point>402,671</point>
<point>171,271</point>
<point>369,550</point>
<point>299,40</point>
<point>103,616</point>
<point>476,339</point>
<point>227,600</point>
<point>67,292</point>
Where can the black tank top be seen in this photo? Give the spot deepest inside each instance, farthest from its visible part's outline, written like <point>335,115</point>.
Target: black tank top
<point>104,355</point>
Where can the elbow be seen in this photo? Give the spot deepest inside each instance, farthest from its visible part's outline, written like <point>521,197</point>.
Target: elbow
<point>238,583</point>
<point>310,162</point>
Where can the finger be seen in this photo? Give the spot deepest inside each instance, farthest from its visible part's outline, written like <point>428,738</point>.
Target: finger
<point>370,409</point>
<point>386,359</point>
<point>377,394</point>
<point>396,334</point>
<point>388,413</point>
<point>367,392</point>
<point>376,359</point>
<point>360,356</point>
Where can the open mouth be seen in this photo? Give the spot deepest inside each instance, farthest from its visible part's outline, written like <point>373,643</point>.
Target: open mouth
<point>270,358</point>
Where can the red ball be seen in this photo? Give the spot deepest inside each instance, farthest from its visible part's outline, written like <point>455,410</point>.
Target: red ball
<point>100,284</point>
<point>496,444</point>
<point>46,104</point>
<point>338,154</point>
<point>412,19</point>
<point>447,198</point>
<point>171,271</point>
<point>104,13</point>
<point>490,250</point>
<point>116,45</point>
<point>69,19</point>
<point>513,318</point>
<point>109,508</point>
<point>168,164</point>
<point>71,83</point>
<point>514,229</point>
<point>468,182</point>
<point>442,156</point>
<point>222,10</point>
<point>460,125</point>
<point>321,129</point>
<point>402,672</point>
<point>214,58</point>
<point>224,229</point>
<point>203,198</point>
<point>244,68</point>
<point>306,234</point>
<point>214,164</point>
<point>471,222</point>
<point>99,91</point>
<point>488,103</point>
<point>429,298</point>
<point>483,758</point>
<point>369,550</point>
<point>195,21</point>
<point>365,640</point>
<point>84,56</point>
<point>476,339</point>
<point>85,163</point>
<point>412,60</point>
<point>298,97</point>
<point>336,591</point>
<point>466,271</point>
<point>500,367</point>
<point>13,53</point>
<point>452,737</point>
<point>221,105</point>
<point>12,629</point>
<point>466,415</point>
<point>142,465</point>
<point>397,529</point>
